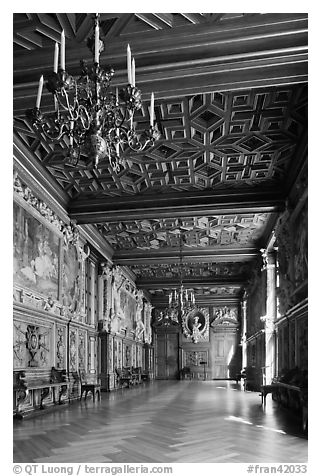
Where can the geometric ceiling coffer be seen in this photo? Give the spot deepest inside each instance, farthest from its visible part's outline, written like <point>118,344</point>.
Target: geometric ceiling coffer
<point>163,151</point>
<point>207,119</point>
<point>253,143</point>
<point>249,138</point>
<point>242,230</point>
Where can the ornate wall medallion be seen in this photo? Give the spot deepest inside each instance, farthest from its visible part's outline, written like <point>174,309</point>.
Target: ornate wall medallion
<point>195,325</point>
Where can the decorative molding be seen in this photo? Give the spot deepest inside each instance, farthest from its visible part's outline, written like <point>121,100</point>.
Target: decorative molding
<point>225,316</point>
<point>163,320</point>
<point>24,192</point>
<point>192,270</point>
<point>69,231</point>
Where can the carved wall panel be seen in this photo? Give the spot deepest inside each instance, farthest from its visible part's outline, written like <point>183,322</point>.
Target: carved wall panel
<point>302,343</point>
<point>256,304</point>
<point>37,343</point>
<point>292,344</point>
<point>127,354</point>
<point>134,355</point>
<point>92,347</point>
<point>73,350</point>
<point>300,225</point>
<point>61,346</point>
<point>292,241</point>
<point>118,352</point>
<point>285,261</point>
<point>32,345</point>
<point>110,354</point>
<point>82,349</point>
<point>139,356</point>
<point>193,358</point>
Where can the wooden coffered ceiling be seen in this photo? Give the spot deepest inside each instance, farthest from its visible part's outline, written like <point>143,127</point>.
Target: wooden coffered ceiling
<point>231,105</point>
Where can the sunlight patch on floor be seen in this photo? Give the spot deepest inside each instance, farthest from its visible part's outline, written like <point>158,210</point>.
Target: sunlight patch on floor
<point>246,422</point>
<point>239,419</point>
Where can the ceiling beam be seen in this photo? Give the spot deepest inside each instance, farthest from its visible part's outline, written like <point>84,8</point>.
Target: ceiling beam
<point>201,300</point>
<point>168,206</point>
<point>189,79</point>
<point>188,60</point>
<point>170,256</point>
<point>157,283</point>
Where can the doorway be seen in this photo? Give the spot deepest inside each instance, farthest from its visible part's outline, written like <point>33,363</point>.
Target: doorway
<point>166,355</point>
<point>224,350</point>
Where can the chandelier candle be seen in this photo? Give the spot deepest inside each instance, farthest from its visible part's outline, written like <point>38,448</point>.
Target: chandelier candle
<point>72,123</point>
<point>40,86</point>
<point>55,68</point>
<point>97,44</point>
<point>129,65</point>
<point>62,53</point>
<point>133,73</point>
<point>152,109</point>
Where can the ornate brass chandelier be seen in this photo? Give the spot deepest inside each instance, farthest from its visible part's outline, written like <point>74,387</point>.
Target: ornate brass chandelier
<point>180,301</point>
<point>95,121</point>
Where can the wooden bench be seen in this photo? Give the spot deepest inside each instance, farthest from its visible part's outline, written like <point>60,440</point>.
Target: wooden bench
<point>185,372</point>
<point>38,383</point>
<point>136,373</point>
<point>290,396</point>
<point>266,389</point>
<point>89,383</point>
<point>146,375</point>
<point>124,376</point>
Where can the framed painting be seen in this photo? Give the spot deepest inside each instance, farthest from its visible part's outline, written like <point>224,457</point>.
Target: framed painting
<point>196,325</point>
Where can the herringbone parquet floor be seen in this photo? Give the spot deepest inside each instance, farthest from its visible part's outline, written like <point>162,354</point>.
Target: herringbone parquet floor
<point>160,422</point>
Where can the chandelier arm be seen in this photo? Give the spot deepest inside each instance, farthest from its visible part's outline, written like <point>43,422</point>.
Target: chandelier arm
<point>45,129</point>
<point>82,119</point>
<point>121,124</point>
<point>66,107</point>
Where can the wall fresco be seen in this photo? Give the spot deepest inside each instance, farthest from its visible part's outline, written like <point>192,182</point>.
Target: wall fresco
<point>35,254</point>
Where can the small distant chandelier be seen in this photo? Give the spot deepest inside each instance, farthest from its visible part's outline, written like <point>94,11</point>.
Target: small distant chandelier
<point>180,301</point>
<point>94,121</point>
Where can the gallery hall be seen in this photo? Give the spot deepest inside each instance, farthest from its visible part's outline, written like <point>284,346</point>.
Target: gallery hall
<point>160,238</point>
